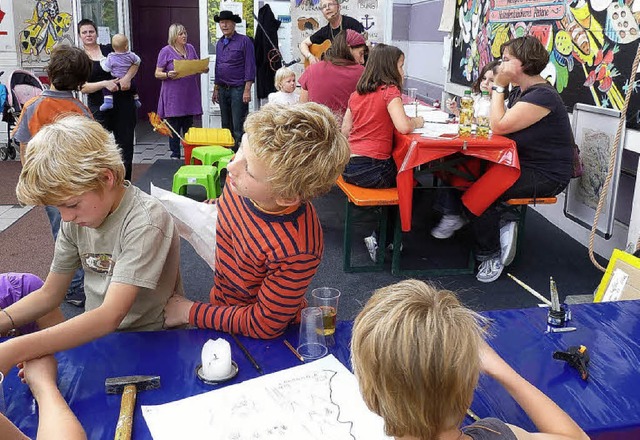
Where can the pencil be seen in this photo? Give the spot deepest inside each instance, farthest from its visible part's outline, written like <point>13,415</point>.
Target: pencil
<point>473,415</point>
<point>530,290</point>
<point>247,354</point>
<point>293,350</point>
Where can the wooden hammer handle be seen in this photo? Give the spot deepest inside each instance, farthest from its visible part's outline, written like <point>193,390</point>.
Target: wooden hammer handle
<point>125,420</point>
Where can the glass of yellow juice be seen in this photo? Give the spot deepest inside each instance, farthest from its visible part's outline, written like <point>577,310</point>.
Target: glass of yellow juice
<point>327,299</point>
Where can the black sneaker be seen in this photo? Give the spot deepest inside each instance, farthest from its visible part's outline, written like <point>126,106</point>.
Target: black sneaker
<point>75,297</point>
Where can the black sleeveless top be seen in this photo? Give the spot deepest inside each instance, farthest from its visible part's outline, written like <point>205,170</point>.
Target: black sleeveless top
<point>95,99</point>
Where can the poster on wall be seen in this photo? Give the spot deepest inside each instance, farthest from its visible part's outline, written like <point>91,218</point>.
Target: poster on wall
<point>591,44</point>
<point>307,18</point>
<point>39,26</point>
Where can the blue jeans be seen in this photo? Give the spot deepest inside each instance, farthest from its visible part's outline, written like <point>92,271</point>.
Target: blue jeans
<point>233,111</point>
<point>181,124</point>
<point>77,283</point>
<point>371,173</point>
<point>486,227</point>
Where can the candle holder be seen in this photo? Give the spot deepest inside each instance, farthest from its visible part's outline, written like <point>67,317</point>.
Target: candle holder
<point>233,373</point>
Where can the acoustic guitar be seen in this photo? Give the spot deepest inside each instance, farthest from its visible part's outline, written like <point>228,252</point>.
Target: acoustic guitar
<point>317,50</point>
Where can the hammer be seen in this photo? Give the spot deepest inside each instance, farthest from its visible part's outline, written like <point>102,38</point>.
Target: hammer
<point>128,386</point>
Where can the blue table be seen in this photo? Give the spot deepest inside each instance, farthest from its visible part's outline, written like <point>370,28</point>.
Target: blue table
<point>607,406</point>
<point>171,354</point>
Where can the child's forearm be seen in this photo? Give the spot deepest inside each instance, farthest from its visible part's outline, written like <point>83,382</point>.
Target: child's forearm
<point>55,418</point>
<point>76,331</point>
<point>133,70</point>
<point>9,430</point>
<point>544,413</point>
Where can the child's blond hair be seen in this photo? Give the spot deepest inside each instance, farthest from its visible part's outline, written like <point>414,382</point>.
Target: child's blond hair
<point>301,145</point>
<point>282,74</point>
<point>66,159</point>
<point>415,352</point>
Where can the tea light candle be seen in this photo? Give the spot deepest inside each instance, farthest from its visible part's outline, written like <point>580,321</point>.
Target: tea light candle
<point>216,359</point>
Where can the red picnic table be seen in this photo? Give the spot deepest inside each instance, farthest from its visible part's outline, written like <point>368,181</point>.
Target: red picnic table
<point>499,152</point>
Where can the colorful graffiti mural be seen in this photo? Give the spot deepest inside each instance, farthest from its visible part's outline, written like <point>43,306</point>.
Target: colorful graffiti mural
<point>46,25</point>
<point>591,44</point>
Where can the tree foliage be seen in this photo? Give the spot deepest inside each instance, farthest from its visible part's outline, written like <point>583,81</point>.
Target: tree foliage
<point>214,9</point>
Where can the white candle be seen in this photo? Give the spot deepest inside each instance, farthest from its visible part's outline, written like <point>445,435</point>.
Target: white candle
<point>216,359</point>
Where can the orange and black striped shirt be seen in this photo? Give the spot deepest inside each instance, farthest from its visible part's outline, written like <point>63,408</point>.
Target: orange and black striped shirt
<point>264,264</point>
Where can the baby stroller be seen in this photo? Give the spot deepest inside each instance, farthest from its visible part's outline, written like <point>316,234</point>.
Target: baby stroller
<point>23,85</point>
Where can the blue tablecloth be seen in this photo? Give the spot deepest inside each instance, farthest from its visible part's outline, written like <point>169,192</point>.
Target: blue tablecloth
<point>607,406</point>
<point>171,354</point>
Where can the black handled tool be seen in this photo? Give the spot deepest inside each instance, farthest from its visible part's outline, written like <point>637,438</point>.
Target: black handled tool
<point>578,357</point>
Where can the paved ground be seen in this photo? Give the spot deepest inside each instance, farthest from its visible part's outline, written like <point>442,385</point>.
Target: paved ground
<point>149,147</point>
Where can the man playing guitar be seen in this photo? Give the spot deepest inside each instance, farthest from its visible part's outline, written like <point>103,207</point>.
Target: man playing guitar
<point>336,23</point>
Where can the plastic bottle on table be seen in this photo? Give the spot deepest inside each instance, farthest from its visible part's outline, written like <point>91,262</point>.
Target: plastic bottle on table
<point>483,110</point>
<point>466,114</point>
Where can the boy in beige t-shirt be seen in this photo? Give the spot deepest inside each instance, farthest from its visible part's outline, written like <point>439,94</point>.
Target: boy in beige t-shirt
<point>124,239</point>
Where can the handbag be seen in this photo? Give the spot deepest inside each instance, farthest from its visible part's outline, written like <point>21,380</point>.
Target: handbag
<point>578,167</point>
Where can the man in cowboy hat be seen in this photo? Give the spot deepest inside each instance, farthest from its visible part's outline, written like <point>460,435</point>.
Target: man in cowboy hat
<point>337,22</point>
<point>235,72</point>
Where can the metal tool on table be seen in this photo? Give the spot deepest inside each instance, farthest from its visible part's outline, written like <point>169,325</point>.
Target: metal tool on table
<point>559,314</point>
<point>576,356</point>
<point>128,386</point>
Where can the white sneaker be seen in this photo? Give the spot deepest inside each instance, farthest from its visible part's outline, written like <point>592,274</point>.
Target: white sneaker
<point>371,243</point>
<point>448,225</point>
<point>489,270</point>
<point>508,242</point>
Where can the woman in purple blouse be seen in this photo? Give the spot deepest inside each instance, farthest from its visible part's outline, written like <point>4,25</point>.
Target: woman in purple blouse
<point>179,97</point>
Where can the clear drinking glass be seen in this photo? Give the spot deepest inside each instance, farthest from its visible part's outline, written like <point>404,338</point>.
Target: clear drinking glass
<point>312,343</point>
<point>326,298</point>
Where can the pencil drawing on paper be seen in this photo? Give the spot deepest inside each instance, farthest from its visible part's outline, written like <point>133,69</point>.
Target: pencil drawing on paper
<point>594,151</point>
<point>318,407</point>
<point>315,401</point>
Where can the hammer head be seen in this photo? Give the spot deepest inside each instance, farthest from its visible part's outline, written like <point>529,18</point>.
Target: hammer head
<point>115,385</point>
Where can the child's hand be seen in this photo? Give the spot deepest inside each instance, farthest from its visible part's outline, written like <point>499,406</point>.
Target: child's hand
<point>210,201</point>
<point>125,83</point>
<point>40,374</point>
<point>176,312</point>
<point>111,85</point>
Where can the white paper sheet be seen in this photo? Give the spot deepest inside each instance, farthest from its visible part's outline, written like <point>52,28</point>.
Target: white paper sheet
<point>435,116</point>
<point>410,109</point>
<point>434,129</point>
<point>319,401</point>
<point>196,222</point>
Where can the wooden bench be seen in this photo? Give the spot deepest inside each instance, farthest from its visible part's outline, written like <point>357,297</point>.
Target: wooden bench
<point>521,205</point>
<point>369,197</point>
<point>386,200</point>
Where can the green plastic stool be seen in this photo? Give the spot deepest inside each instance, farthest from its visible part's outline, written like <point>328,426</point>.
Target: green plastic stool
<point>222,165</point>
<point>210,155</point>
<point>203,175</point>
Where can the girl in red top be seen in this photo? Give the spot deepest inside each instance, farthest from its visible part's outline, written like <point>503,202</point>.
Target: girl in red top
<point>374,110</point>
